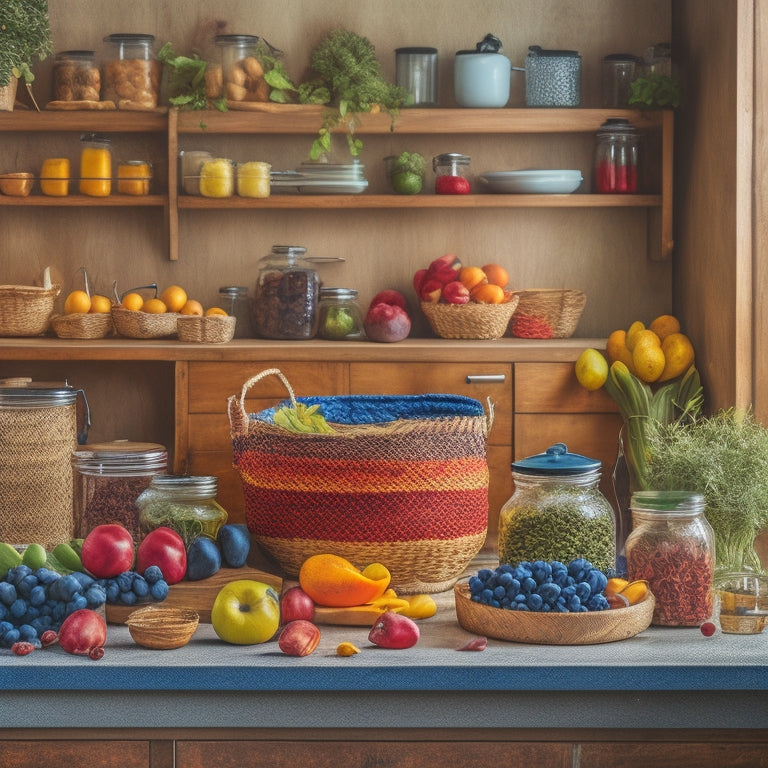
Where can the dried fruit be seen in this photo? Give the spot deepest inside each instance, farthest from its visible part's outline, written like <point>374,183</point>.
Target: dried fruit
<point>333,581</point>
<point>346,649</point>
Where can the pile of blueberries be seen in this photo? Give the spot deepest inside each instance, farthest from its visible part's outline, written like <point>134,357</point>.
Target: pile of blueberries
<point>542,586</point>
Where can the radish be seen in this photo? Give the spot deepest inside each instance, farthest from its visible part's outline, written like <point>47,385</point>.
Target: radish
<point>393,630</point>
<point>83,633</point>
<point>299,638</point>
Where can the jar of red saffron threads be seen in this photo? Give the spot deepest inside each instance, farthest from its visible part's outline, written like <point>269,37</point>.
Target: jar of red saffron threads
<point>616,157</point>
<point>672,547</point>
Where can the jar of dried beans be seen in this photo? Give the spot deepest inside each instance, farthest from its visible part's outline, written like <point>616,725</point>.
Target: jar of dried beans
<point>616,157</point>
<point>557,512</point>
<point>109,477</point>
<point>672,547</point>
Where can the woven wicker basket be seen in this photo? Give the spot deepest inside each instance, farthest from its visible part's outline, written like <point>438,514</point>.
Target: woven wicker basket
<point>216,329</point>
<point>469,321</point>
<point>547,313</point>
<point>162,628</point>
<point>25,310</point>
<point>82,325</point>
<point>143,325</point>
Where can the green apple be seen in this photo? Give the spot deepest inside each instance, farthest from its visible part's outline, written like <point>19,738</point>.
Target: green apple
<point>246,612</point>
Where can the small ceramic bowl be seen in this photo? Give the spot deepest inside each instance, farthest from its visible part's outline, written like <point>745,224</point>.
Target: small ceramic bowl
<point>16,184</point>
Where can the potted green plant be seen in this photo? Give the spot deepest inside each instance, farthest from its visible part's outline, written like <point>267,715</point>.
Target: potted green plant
<point>25,37</point>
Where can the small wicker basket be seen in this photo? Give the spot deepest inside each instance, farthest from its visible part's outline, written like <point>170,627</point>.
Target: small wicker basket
<point>547,313</point>
<point>469,321</point>
<point>25,310</point>
<point>162,628</point>
<point>83,325</point>
<point>216,329</point>
<point>144,325</point>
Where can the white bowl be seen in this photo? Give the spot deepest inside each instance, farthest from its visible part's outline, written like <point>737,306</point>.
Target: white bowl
<point>532,182</point>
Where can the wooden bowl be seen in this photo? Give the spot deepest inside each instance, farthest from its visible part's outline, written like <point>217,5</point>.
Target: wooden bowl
<point>588,628</point>
<point>16,184</point>
<point>161,628</point>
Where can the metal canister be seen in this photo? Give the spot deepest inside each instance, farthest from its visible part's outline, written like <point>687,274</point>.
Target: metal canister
<point>38,433</point>
<point>552,78</point>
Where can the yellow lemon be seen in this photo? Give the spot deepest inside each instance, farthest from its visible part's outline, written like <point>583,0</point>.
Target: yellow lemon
<point>678,354</point>
<point>154,306</point>
<point>645,337</point>
<point>649,362</point>
<point>634,329</point>
<point>133,301</point>
<point>77,302</point>
<point>591,369</point>
<point>210,312</point>
<point>616,349</point>
<point>100,304</point>
<point>663,325</point>
<point>174,298</point>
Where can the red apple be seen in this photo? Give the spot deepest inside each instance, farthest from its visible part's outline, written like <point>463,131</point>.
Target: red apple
<point>299,638</point>
<point>107,551</point>
<point>83,633</point>
<point>389,296</point>
<point>393,630</point>
<point>296,604</point>
<point>164,548</point>
<point>456,292</point>
<point>418,280</point>
<point>431,290</point>
<point>387,323</point>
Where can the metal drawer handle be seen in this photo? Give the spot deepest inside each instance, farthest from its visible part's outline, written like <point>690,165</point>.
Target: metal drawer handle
<point>486,378</point>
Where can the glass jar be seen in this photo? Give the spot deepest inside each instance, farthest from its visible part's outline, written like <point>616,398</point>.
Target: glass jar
<point>616,157</point>
<point>185,503</point>
<point>253,179</point>
<point>190,163</point>
<point>95,165</point>
<point>109,477</point>
<point>131,74</point>
<point>451,174</point>
<point>242,76</point>
<point>340,315</point>
<point>557,512</point>
<point>286,297</point>
<point>743,602</point>
<point>618,72</point>
<point>133,177</point>
<point>76,76</point>
<point>217,178</point>
<point>54,176</point>
<point>234,300</point>
<point>672,547</point>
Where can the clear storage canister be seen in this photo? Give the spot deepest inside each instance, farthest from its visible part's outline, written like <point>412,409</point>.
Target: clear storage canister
<point>109,477</point>
<point>234,300</point>
<point>130,72</point>
<point>242,75</point>
<point>451,174</point>
<point>217,177</point>
<point>287,293</point>
<point>617,154</point>
<point>253,179</point>
<point>190,163</point>
<point>557,512</point>
<point>340,315</point>
<point>185,503</point>
<point>672,547</point>
<point>76,76</point>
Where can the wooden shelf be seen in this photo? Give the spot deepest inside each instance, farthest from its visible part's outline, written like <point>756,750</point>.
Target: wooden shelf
<point>84,201</point>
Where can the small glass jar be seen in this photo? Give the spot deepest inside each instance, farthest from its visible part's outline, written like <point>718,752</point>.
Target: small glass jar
<point>286,296</point>
<point>672,547</point>
<point>131,74</point>
<point>451,174</point>
<point>743,601</point>
<point>557,512</point>
<point>340,315</point>
<point>217,178</point>
<point>618,72</point>
<point>133,177</point>
<point>76,76</point>
<point>185,503</point>
<point>253,179</point>
<point>242,75</point>
<point>95,165</point>
<point>617,154</point>
<point>234,300</point>
<point>108,478</point>
<point>54,176</point>
<point>190,163</point>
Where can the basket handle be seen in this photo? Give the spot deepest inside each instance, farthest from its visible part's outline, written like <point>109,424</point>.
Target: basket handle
<point>238,416</point>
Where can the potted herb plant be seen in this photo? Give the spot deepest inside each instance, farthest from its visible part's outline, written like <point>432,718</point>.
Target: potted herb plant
<point>25,37</point>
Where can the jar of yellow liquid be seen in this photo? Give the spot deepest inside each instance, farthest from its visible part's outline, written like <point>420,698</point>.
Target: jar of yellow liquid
<point>217,178</point>
<point>95,165</point>
<point>133,177</point>
<point>253,179</point>
<point>54,177</point>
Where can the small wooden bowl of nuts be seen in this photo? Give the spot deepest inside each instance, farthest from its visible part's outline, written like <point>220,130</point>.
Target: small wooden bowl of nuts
<point>161,628</point>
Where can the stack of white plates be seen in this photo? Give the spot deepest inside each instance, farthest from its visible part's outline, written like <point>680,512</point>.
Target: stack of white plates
<point>532,182</point>
<point>322,179</point>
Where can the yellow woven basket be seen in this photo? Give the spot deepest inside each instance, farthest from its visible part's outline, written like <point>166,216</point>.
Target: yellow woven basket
<point>469,321</point>
<point>25,310</point>
<point>82,325</point>
<point>143,325</point>
<point>216,329</point>
<point>547,313</point>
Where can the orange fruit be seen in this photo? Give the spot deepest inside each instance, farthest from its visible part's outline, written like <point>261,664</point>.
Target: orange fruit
<point>488,294</point>
<point>174,298</point>
<point>133,301</point>
<point>615,586</point>
<point>634,329</point>
<point>678,355</point>
<point>77,302</point>
<point>635,591</point>
<point>192,307</point>
<point>470,277</point>
<point>616,349</point>
<point>333,581</point>
<point>100,304</point>
<point>496,275</point>
<point>663,325</point>
<point>211,311</point>
<point>154,307</point>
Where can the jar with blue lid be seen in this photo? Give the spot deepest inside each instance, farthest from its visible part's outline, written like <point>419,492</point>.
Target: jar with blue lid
<point>557,511</point>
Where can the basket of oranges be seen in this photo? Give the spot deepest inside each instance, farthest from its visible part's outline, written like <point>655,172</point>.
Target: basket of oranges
<point>137,317</point>
<point>465,302</point>
<point>85,316</point>
<point>214,326</point>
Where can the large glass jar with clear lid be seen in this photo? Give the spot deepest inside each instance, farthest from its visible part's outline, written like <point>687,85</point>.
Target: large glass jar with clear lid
<point>672,547</point>
<point>557,512</point>
<point>287,294</point>
<point>185,503</point>
<point>238,73</point>
<point>131,74</point>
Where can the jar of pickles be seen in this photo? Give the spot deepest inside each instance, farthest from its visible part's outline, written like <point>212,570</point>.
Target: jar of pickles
<point>340,315</point>
<point>76,76</point>
<point>95,165</point>
<point>557,512</point>
<point>185,503</point>
<point>131,74</point>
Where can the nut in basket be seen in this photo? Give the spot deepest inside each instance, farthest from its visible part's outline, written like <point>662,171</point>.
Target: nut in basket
<point>547,313</point>
<point>471,320</point>
<point>162,628</point>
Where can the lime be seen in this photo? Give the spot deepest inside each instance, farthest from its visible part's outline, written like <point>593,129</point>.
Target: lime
<point>591,369</point>
<point>406,183</point>
<point>34,556</point>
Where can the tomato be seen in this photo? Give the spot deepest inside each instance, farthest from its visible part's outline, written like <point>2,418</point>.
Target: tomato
<point>107,551</point>
<point>164,548</point>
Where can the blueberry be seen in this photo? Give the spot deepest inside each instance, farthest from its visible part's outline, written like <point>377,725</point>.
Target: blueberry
<point>153,574</point>
<point>27,633</point>
<point>549,592</point>
<point>159,590</point>
<point>535,602</point>
<point>487,595</point>
<point>41,623</point>
<point>16,574</point>
<point>506,578</point>
<point>499,592</point>
<point>11,637</point>
<point>7,592</point>
<point>3,612</point>
<point>113,591</point>
<point>528,584</point>
<point>140,587</point>
<point>574,604</point>
<point>542,571</point>
<point>38,596</point>
<point>96,596</point>
<point>125,581</point>
<point>484,574</point>
<point>128,598</point>
<point>46,575</point>
<point>26,585</point>
<point>19,608</point>
<point>83,579</point>
<point>597,580</point>
<point>476,584</point>
<point>4,627</point>
<point>68,587</point>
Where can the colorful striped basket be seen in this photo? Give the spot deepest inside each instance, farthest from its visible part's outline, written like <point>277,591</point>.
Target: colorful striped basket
<point>402,481</point>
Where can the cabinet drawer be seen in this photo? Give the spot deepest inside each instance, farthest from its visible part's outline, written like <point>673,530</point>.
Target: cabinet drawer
<point>552,388</point>
<point>75,754</point>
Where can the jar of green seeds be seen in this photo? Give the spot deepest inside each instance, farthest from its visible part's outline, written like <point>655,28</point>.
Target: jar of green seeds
<point>557,512</point>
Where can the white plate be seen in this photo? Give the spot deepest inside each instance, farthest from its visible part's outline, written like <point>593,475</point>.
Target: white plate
<point>333,187</point>
<point>532,182</point>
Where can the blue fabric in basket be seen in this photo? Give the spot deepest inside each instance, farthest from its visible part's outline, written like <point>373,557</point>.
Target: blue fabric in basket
<point>375,409</point>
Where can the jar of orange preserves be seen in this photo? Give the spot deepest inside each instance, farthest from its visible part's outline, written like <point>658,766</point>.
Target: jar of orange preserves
<point>54,177</point>
<point>95,165</point>
<point>133,177</point>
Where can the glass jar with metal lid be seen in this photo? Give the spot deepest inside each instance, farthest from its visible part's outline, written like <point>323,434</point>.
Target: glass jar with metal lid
<point>185,503</point>
<point>131,74</point>
<point>109,477</point>
<point>451,174</point>
<point>76,76</point>
<point>557,512</point>
<point>617,153</point>
<point>340,315</point>
<point>234,300</point>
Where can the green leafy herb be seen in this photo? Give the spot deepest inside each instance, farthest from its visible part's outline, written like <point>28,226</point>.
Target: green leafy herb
<point>654,92</point>
<point>186,81</point>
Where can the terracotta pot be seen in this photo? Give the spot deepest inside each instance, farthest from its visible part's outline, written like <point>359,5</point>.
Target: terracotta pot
<point>8,95</point>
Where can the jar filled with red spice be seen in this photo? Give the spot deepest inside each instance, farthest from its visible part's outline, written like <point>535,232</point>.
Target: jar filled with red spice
<point>672,547</point>
<point>451,174</point>
<point>616,157</point>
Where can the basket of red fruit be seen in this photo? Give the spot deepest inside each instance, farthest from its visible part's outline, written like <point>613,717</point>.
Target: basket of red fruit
<point>465,302</point>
